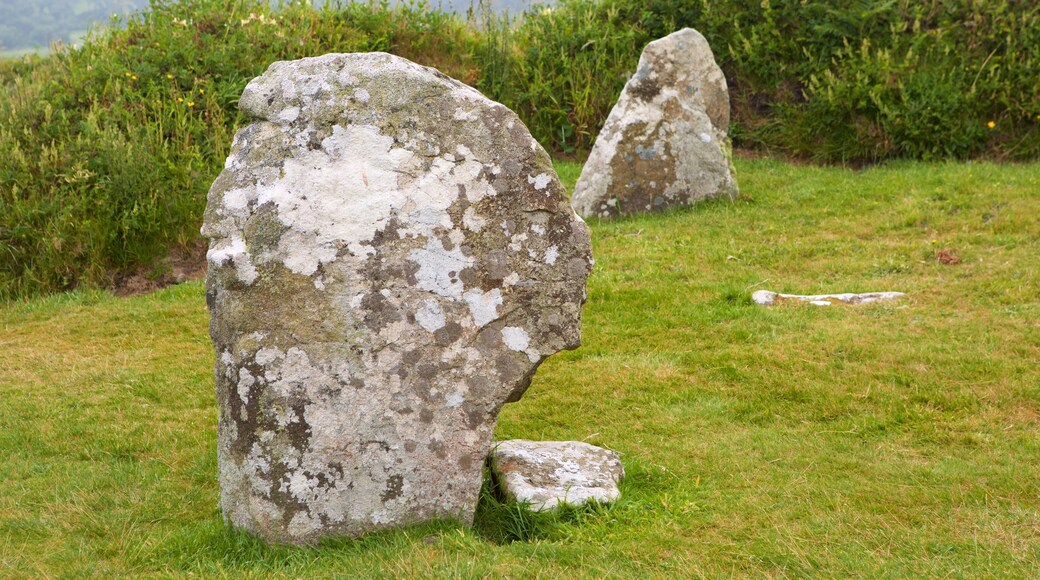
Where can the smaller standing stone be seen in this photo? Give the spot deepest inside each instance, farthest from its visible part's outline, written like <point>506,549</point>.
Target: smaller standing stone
<point>665,142</point>
<point>545,474</point>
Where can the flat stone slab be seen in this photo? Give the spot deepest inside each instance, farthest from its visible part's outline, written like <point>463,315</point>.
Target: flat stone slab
<point>767,298</point>
<point>545,474</point>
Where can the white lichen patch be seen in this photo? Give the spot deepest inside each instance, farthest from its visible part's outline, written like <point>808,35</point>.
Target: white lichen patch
<point>539,181</point>
<point>233,250</point>
<point>483,306</point>
<point>430,316</point>
<point>289,115</point>
<point>439,269</point>
<point>551,255</point>
<point>516,338</point>
<point>463,115</point>
<point>472,220</point>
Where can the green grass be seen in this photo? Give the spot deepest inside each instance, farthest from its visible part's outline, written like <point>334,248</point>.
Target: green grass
<point>883,440</point>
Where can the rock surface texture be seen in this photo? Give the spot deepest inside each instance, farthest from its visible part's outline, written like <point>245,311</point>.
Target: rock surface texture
<point>767,298</point>
<point>665,143</point>
<point>391,258</point>
<point>546,474</point>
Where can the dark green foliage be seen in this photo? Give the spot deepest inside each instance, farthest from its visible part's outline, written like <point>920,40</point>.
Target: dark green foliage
<point>867,80</point>
<point>561,69</point>
<point>106,151</point>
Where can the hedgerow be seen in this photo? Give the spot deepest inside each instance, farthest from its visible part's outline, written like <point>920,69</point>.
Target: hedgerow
<point>107,150</point>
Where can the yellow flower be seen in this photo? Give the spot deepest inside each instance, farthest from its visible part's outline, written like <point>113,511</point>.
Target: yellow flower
<point>180,100</point>
<point>991,124</point>
<point>133,77</point>
<point>191,103</point>
<point>201,91</point>
<point>127,75</point>
<point>169,76</point>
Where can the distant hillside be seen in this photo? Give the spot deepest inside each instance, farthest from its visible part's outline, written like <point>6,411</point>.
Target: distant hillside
<point>35,24</point>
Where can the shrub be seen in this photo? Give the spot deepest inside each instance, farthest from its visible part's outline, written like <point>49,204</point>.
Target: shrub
<point>562,68</point>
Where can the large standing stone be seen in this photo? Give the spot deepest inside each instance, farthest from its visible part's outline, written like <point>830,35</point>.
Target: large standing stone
<point>391,258</point>
<point>665,143</point>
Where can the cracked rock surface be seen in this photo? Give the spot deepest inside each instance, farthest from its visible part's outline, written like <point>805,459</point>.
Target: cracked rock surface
<point>391,258</point>
<point>545,474</point>
<point>665,143</point>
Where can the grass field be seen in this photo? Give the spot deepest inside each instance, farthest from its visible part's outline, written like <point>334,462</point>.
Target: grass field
<point>885,440</point>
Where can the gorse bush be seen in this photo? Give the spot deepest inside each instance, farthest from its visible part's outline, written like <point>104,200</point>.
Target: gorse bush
<point>106,151</point>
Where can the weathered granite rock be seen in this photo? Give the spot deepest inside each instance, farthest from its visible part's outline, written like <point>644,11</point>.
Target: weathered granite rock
<point>391,258</point>
<point>665,143</point>
<point>767,298</point>
<point>545,474</point>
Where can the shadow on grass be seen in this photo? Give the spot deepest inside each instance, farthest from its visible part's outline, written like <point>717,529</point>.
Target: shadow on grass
<point>502,521</point>
<point>211,545</point>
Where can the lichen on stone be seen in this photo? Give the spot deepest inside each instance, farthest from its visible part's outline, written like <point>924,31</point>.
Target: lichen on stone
<point>391,258</point>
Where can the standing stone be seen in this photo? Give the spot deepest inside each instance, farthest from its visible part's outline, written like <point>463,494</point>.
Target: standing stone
<point>665,143</point>
<point>391,258</point>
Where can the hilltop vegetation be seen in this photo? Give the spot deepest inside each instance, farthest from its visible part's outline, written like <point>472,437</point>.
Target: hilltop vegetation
<point>106,151</point>
<point>36,24</point>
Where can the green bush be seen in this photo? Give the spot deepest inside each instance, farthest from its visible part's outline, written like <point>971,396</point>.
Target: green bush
<point>106,151</point>
<point>562,68</point>
<point>867,80</point>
